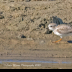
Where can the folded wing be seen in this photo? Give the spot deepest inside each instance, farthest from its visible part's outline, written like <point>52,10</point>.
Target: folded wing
<point>64,29</point>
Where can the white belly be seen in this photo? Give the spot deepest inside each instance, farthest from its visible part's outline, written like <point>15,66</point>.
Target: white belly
<point>62,35</point>
<point>57,33</point>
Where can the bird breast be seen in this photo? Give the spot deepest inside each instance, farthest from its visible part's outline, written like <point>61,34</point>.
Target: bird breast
<point>56,32</point>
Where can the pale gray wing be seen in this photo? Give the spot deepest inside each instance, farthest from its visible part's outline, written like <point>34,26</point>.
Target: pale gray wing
<point>64,29</point>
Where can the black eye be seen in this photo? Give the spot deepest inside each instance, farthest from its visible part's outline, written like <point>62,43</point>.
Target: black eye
<point>50,26</point>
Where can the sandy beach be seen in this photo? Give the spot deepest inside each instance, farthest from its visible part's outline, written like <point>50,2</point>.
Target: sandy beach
<point>23,33</point>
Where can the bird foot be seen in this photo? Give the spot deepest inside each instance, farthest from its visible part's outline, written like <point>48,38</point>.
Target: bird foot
<point>57,41</point>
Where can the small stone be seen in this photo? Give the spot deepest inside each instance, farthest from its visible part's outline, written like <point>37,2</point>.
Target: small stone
<point>42,42</point>
<point>21,36</point>
<point>1,12</point>
<point>1,16</point>
<point>42,25</point>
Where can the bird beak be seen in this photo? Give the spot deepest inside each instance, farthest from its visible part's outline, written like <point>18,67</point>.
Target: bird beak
<point>48,29</point>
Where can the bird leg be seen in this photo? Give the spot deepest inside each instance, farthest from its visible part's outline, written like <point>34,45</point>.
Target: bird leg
<point>57,41</point>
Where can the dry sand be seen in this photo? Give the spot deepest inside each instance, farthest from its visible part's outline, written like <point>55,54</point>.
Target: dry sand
<point>18,18</point>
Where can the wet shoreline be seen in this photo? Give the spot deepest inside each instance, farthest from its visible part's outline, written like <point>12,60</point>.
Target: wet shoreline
<point>48,60</point>
<point>49,63</point>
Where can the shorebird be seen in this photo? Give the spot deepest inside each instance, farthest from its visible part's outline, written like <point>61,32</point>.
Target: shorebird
<point>60,30</point>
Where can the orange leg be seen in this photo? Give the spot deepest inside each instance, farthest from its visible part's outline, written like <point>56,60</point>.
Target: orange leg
<point>57,41</point>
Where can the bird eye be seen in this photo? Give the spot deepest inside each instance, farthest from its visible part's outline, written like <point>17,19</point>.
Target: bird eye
<point>50,26</point>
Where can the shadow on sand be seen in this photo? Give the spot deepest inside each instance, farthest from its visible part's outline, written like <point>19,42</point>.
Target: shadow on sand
<point>69,41</point>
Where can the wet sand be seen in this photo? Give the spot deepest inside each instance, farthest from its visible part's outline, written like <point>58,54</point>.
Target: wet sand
<point>50,63</point>
<point>33,64</point>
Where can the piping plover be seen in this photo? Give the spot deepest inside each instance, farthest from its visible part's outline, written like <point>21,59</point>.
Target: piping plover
<point>60,30</point>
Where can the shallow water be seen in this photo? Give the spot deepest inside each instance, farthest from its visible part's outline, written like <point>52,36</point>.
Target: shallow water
<point>57,61</point>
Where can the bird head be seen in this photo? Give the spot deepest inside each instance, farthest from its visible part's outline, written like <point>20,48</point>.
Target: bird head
<point>52,26</point>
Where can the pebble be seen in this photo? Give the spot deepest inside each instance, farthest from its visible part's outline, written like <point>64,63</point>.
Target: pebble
<point>1,16</point>
<point>1,12</point>
<point>21,36</point>
<point>42,41</point>
<point>42,25</point>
